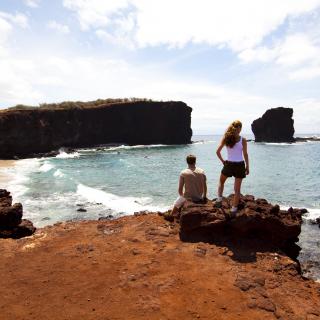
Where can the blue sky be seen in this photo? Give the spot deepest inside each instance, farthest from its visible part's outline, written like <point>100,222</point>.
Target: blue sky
<point>226,59</point>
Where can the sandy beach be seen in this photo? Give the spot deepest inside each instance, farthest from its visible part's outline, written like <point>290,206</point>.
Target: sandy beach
<point>4,177</point>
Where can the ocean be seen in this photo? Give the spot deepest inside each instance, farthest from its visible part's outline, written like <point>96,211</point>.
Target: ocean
<point>121,180</point>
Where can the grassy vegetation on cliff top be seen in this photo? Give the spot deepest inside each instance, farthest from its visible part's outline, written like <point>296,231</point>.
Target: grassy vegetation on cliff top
<point>78,104</point>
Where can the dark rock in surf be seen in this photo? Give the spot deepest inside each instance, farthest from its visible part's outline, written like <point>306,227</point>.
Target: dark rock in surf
<point>11,223</point>
<point>276,125</point>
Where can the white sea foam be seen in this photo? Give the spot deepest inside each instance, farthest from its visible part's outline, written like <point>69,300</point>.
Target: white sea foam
<point>59,174</point>
<point>48,209</point>
<point>20,175</point>
<point>204,142</point>
<point>46,167</point>
<point>64,155</point>
<point>127,205</point>
<point>277,143</point>
<point>298,143</point>
<point>140,146</point>
<point>312,213</point>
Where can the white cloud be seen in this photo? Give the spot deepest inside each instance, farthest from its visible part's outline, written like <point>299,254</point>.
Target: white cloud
<point>32,3</point>
<point>18,19</point>
<point>5,29</point>
<point>306,73</point>
<point>297,49</point>
<point>95,13</point>
<point>239,25</point>
<point>294,49</point>
<point>298,54</point>
<point>61,28</point>
<point>39,79</point>
<point>36,80</point>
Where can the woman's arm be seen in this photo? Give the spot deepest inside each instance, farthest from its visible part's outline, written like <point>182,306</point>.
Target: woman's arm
<point>218,152</point>
<point>245,154</point>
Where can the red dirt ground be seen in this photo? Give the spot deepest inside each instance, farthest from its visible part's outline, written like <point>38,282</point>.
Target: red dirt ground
<point>137,268</point>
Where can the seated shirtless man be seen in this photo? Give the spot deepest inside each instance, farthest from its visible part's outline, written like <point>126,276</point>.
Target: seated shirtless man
<point>192,185</point>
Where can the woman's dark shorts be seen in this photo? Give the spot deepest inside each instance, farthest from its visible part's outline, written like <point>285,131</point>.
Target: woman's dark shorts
<point>234,169</point>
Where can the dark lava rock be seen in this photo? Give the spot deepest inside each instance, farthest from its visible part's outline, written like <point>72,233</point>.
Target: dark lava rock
<point>24,229</point>
<point>315,221</point>
<point>276,125</point>
<point>108,217</point>
<point>257,219</point>
<point>11,223</point>
<point>29,132</point>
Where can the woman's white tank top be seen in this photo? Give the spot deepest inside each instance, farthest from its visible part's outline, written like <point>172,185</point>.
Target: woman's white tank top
<point>235,153</point>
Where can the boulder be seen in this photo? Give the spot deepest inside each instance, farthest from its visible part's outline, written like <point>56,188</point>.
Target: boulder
<point>11,223</point>
<point>11,216</point>
<point>24,229</point>
<point>276,125</point>
<point>256,219</point>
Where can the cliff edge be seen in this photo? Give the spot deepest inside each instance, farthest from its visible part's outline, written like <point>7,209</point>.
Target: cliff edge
<point>32,131</point>
<point>137,267</point>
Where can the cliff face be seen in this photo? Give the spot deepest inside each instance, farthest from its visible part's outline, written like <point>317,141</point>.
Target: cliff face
<point>24,133</point>
<point>276,125</point>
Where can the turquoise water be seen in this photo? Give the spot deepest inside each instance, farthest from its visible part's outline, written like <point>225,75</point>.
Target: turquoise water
<point>122,180</point>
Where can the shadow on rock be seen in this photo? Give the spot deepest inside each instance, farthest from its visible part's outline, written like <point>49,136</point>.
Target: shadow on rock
<point>258,227</point>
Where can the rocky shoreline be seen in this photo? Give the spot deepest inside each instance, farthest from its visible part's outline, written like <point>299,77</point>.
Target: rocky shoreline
<point>142,267</point>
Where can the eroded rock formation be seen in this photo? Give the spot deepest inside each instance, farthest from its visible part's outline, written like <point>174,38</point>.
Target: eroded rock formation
<point>28,133</point>
<point>257,220</point>
<point>11,223</point>
<point>276,125</point>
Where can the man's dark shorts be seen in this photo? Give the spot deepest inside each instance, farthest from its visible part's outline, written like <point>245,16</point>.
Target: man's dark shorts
<point>234,169</point>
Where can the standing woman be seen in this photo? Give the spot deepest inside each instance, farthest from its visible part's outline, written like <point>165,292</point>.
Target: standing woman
<point>235,166</point>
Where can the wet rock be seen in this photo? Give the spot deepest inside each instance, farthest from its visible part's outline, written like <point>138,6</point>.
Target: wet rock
<point>11,216</point>
<point>315,221</point>
<point>11,223</point>
<point>108,217</point>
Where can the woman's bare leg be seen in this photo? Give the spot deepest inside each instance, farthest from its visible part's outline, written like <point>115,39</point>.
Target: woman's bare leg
<point>237,190</point>
<point>222,180</point>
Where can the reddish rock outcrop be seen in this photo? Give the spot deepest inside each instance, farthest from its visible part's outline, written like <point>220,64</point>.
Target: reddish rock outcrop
<point>137,268</point>
<point>256,220</point>
<point>28,133</point>
<point>276,125</point>
<point>11,223</point>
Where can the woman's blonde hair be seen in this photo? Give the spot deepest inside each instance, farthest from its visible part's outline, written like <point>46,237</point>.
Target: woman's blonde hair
<point>230,137</point>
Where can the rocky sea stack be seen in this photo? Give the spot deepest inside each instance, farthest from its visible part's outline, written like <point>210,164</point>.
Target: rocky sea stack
<point>11,223</point>
<point>276,125</point>
<point>31,131</point>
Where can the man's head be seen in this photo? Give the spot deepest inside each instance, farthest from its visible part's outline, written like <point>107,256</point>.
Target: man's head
<point>191,160</point>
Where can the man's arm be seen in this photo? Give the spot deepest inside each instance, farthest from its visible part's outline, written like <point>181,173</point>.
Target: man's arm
<point>181,184</point>
<point>245,154</point>
<point>205,189</point>
<point>218,152</point>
